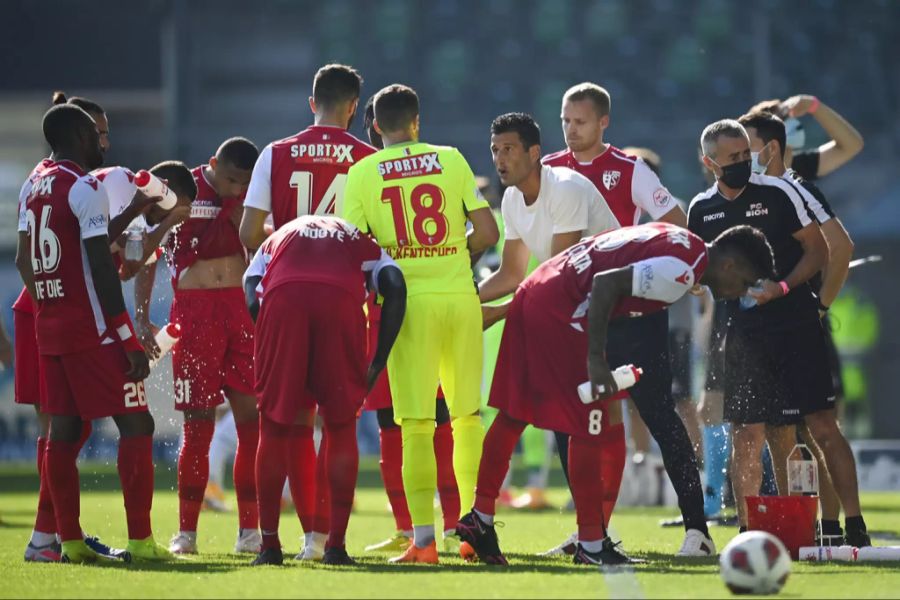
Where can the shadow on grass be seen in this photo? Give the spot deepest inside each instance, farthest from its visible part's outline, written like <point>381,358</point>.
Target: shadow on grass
<point>4,524</point>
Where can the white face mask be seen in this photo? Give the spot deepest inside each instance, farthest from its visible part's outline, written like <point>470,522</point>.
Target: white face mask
<point>755,166</point>
<point>796,136</point>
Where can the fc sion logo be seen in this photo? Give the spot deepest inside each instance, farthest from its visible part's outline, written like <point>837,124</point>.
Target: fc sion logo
<point>611,179</point>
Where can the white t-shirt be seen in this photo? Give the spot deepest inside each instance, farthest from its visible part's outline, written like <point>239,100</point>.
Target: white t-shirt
<point>567,202</point>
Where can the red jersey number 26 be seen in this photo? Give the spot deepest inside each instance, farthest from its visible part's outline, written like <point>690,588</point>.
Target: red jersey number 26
<point>429,225</point>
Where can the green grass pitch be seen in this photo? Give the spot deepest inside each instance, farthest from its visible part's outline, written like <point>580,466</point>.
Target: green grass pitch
<point>217,573</point>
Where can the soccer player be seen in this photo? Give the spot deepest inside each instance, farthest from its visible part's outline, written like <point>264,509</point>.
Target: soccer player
<point>767,144</point>
<point>91,362</point>
<point>556,338</point>
<point>630,188</point>
<point>415,199</point>
<point>308,285</point>
<point>305,174</point>
<point>43,546</point>
<point>776,360</point>
<point>391,463</point>
<point>214,356</point>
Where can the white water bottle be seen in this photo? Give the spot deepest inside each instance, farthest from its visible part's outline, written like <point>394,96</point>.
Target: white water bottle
<point>748,301</point>
<point>803,472</point>
<point>134,243</point>
<point>166,338</point>
<point>153,186</point>
<point>625,377</point>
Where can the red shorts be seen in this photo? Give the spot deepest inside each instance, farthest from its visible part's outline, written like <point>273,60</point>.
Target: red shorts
<point>91,384</point>
<point>541,363</point>
<point>27,365</point>
<point>215,350</point>
<point>310,349</point>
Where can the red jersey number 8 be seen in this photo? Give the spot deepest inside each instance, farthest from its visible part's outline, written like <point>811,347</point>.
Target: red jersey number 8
<point>429,225</point>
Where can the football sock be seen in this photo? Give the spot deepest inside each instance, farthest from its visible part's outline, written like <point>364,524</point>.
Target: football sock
<point>392,474</point>
<point>716,452</point>
<point>302,475</point>
<point>499,444</point>
<point>419,469</point>
<point>468,438</point>
<point>485,518</point>
<point>45,520</point>
<point>193,471</point>
<point>272,459</point>
<point>830,527</point>
<point>342,462</point>
<point>585,476</point>
<point>322,512</point>
<point>135,465</point>
<point>855,524</point>
<point>612,467</point>
<point>423,535</point>
<point>62,473</point>
<point>446,478</point>
<point>592,546</point>
<point>244,474</point>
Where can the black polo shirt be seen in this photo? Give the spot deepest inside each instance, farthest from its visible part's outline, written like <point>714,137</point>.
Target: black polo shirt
<point>774,206</point>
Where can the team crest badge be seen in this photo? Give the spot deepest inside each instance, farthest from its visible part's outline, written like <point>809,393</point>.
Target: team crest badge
<point>611,179</point>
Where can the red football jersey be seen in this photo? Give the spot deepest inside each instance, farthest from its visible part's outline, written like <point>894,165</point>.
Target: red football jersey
<point>208,233</point>
<point>65,207</point>
<point>23,301</point>
<point>667,261</point>
<point>625,181</point>
<point>305,173</point>
<point>326,250</point>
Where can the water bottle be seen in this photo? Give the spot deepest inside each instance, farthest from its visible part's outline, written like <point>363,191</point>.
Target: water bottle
<point>748,301</point>
<point>134,245</point>
<point>166,338</point>
<point>153,186</point>
<point>625,377</point>
<point>803,473</point>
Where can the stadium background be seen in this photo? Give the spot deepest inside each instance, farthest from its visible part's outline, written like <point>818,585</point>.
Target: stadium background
<point>179,76</point>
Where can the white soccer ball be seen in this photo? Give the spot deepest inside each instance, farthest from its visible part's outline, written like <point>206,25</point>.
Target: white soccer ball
<point>755,562</point>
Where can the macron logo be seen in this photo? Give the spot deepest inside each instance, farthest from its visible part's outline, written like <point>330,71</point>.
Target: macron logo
<point>713,217</point>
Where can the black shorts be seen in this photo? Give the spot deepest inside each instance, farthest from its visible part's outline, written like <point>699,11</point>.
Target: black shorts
<point>776,377</point>
<point>834,361</point>
<point>680,353</point>
<point>715,353</point>
<point>644,342</point>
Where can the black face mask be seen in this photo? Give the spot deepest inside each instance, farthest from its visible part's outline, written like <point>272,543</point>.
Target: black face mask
<point>736,175</point>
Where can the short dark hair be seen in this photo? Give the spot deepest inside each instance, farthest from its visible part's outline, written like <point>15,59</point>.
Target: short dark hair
<point>748,245</point>
<point>336,84</point>
<point>238,152</point>
<point>598,96</point>
<point>396,107</point>
<point>369,123</point>
<point>88,106</point>
<point>768,127</point>
<point>772,106</point>
<point>521,123</point>
<point>179,177</point>
<point>62,122</point>
<point>713,131</point>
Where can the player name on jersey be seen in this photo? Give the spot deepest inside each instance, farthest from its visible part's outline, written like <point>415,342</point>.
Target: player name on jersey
<point>332,153</point>
<point>413,166</point>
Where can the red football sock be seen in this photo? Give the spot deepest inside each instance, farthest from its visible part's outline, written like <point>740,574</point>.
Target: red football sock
<point>322,518</point>
<point>302,475</point>
<point>499,444</point>
<point>193,471</point>
<point>62,473</point>
<point>45,520</point>
<point>272,459</point>
<point>136,475</point>
<point>446,479</point>
<point>342,462</point>
<point>587,487</point>
<point>245,475</point>
<point>392,475</point>
<point>86,429</point>
<point>612,467</point>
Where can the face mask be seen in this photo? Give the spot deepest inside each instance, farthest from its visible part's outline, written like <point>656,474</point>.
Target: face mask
<point>737,175</point>
<point>796,136</point>
<point>755,165</point>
